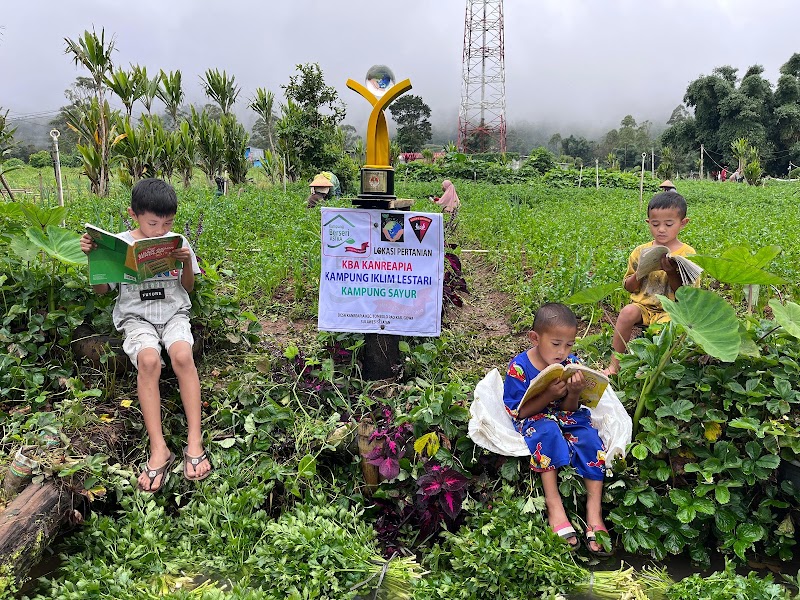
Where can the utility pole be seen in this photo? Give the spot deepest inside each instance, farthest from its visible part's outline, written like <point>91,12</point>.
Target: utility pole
<point>596,173</point>
<point>641,180</point>
<point>702,151</point>
<point>653,163</point>
<point>54,133</point>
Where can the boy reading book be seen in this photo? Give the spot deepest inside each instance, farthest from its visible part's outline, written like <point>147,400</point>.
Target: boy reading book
<point>666,217</point>
<point>155,313</point>
<point>556,427</point>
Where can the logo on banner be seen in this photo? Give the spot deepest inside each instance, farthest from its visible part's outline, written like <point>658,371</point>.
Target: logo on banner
<point>420,225</point>
<point>343,236</point>
<point>361,250</point>
<point>391,227</point>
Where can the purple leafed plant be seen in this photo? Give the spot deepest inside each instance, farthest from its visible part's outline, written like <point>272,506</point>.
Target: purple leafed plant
<point>444,486</point>
<point>392,447</point>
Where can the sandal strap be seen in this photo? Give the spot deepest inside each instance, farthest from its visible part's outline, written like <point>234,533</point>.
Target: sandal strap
<point>196,460</point>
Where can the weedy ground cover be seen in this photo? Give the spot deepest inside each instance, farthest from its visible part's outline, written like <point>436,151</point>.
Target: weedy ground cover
<point>282,404</point>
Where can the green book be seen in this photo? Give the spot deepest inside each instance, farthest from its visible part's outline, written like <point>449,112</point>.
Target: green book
<point>116,260</point>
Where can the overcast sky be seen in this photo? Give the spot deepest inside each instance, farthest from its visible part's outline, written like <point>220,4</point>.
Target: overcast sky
<point>570,65</point>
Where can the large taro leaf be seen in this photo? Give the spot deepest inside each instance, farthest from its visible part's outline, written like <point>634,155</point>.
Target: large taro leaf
<point>43,216</point>
<point>24,248</point>
<point>787,316</point>
<point>738,266</point>
<point>708,320</point>
<point>61,244</point>
<point>592,295</point>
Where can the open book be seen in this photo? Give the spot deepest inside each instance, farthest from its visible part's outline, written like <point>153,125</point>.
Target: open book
<point>590,396</point>
<point>650,260</point>
<point>116,260</point>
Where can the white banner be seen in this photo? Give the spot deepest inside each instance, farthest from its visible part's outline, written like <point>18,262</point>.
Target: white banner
<point>382,272</point>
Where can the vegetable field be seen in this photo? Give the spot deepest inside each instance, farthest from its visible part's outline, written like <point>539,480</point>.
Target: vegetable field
<point>288,512</point>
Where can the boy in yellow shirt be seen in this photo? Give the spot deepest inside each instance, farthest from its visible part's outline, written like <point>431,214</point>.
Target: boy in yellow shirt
<point>666,216</point>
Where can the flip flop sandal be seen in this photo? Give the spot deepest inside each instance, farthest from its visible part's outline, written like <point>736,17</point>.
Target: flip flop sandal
<point>194,461</point>
<point>590,537</point>
<point>566,532</point>
<point>153,473</point>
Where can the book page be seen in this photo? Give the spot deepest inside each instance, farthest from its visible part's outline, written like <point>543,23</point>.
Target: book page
<point>107,261</point>
<point>151,256</point>
<point>596,384</point>
<point>541,381</point>
<point>650,260</point>
<point>689,271</point>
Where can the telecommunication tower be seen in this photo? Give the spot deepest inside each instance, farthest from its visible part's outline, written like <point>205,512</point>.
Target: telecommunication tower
<point>482,117</point>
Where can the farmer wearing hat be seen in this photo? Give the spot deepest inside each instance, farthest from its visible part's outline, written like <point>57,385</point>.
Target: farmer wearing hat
<point>667,186</point>
<point>320,188</point>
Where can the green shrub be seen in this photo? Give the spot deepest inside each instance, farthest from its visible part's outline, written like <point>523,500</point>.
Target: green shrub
<point>41,159</point>
<point>70,160</point>
<point>14,162</point>
<point>540,160</point>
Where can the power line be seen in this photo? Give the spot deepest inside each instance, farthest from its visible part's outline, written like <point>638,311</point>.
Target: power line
<point>32,116</point>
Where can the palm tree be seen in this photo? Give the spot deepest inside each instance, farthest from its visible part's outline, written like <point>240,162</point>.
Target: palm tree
<point>170,92</point>
<point>126,86</point>
<point>91,51</point>
<point>220,89</point>
<point>149,87</point>
<point>262,106</point>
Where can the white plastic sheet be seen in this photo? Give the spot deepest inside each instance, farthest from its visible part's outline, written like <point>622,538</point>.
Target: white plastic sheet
<point>490,425</point>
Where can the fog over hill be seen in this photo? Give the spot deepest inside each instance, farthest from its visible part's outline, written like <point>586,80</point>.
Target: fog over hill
<point>571,66</point>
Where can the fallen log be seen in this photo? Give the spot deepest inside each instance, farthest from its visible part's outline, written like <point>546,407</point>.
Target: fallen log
<point>28,526</point>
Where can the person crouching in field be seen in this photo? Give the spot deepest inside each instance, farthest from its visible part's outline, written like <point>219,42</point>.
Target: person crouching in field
<point>160,317</point>
<point>666,217</point>
<point>556,428</point>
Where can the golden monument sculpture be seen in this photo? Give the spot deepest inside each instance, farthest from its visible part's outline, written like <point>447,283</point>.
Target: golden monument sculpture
<point>377,175</point>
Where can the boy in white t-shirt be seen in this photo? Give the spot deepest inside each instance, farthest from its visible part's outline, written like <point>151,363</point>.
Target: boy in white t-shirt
<point>155,313</point>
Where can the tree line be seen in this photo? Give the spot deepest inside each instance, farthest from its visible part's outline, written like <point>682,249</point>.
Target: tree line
<point>737,121</point>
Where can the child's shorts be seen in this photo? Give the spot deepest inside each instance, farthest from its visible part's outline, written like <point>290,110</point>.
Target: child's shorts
<point>142,334</point>
<point>650,316</point>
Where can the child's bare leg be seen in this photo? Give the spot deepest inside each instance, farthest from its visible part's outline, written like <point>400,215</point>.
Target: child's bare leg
<point>556,514</point>
<point>594,507</point>
<point>629,317</point>
<point>180,354</point>
<point>149,371</point>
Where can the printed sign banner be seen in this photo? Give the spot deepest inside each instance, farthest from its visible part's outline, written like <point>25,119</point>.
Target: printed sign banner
<point>382,272</point>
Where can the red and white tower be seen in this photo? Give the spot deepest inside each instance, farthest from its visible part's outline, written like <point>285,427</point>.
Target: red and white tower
<point>482,117</point>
